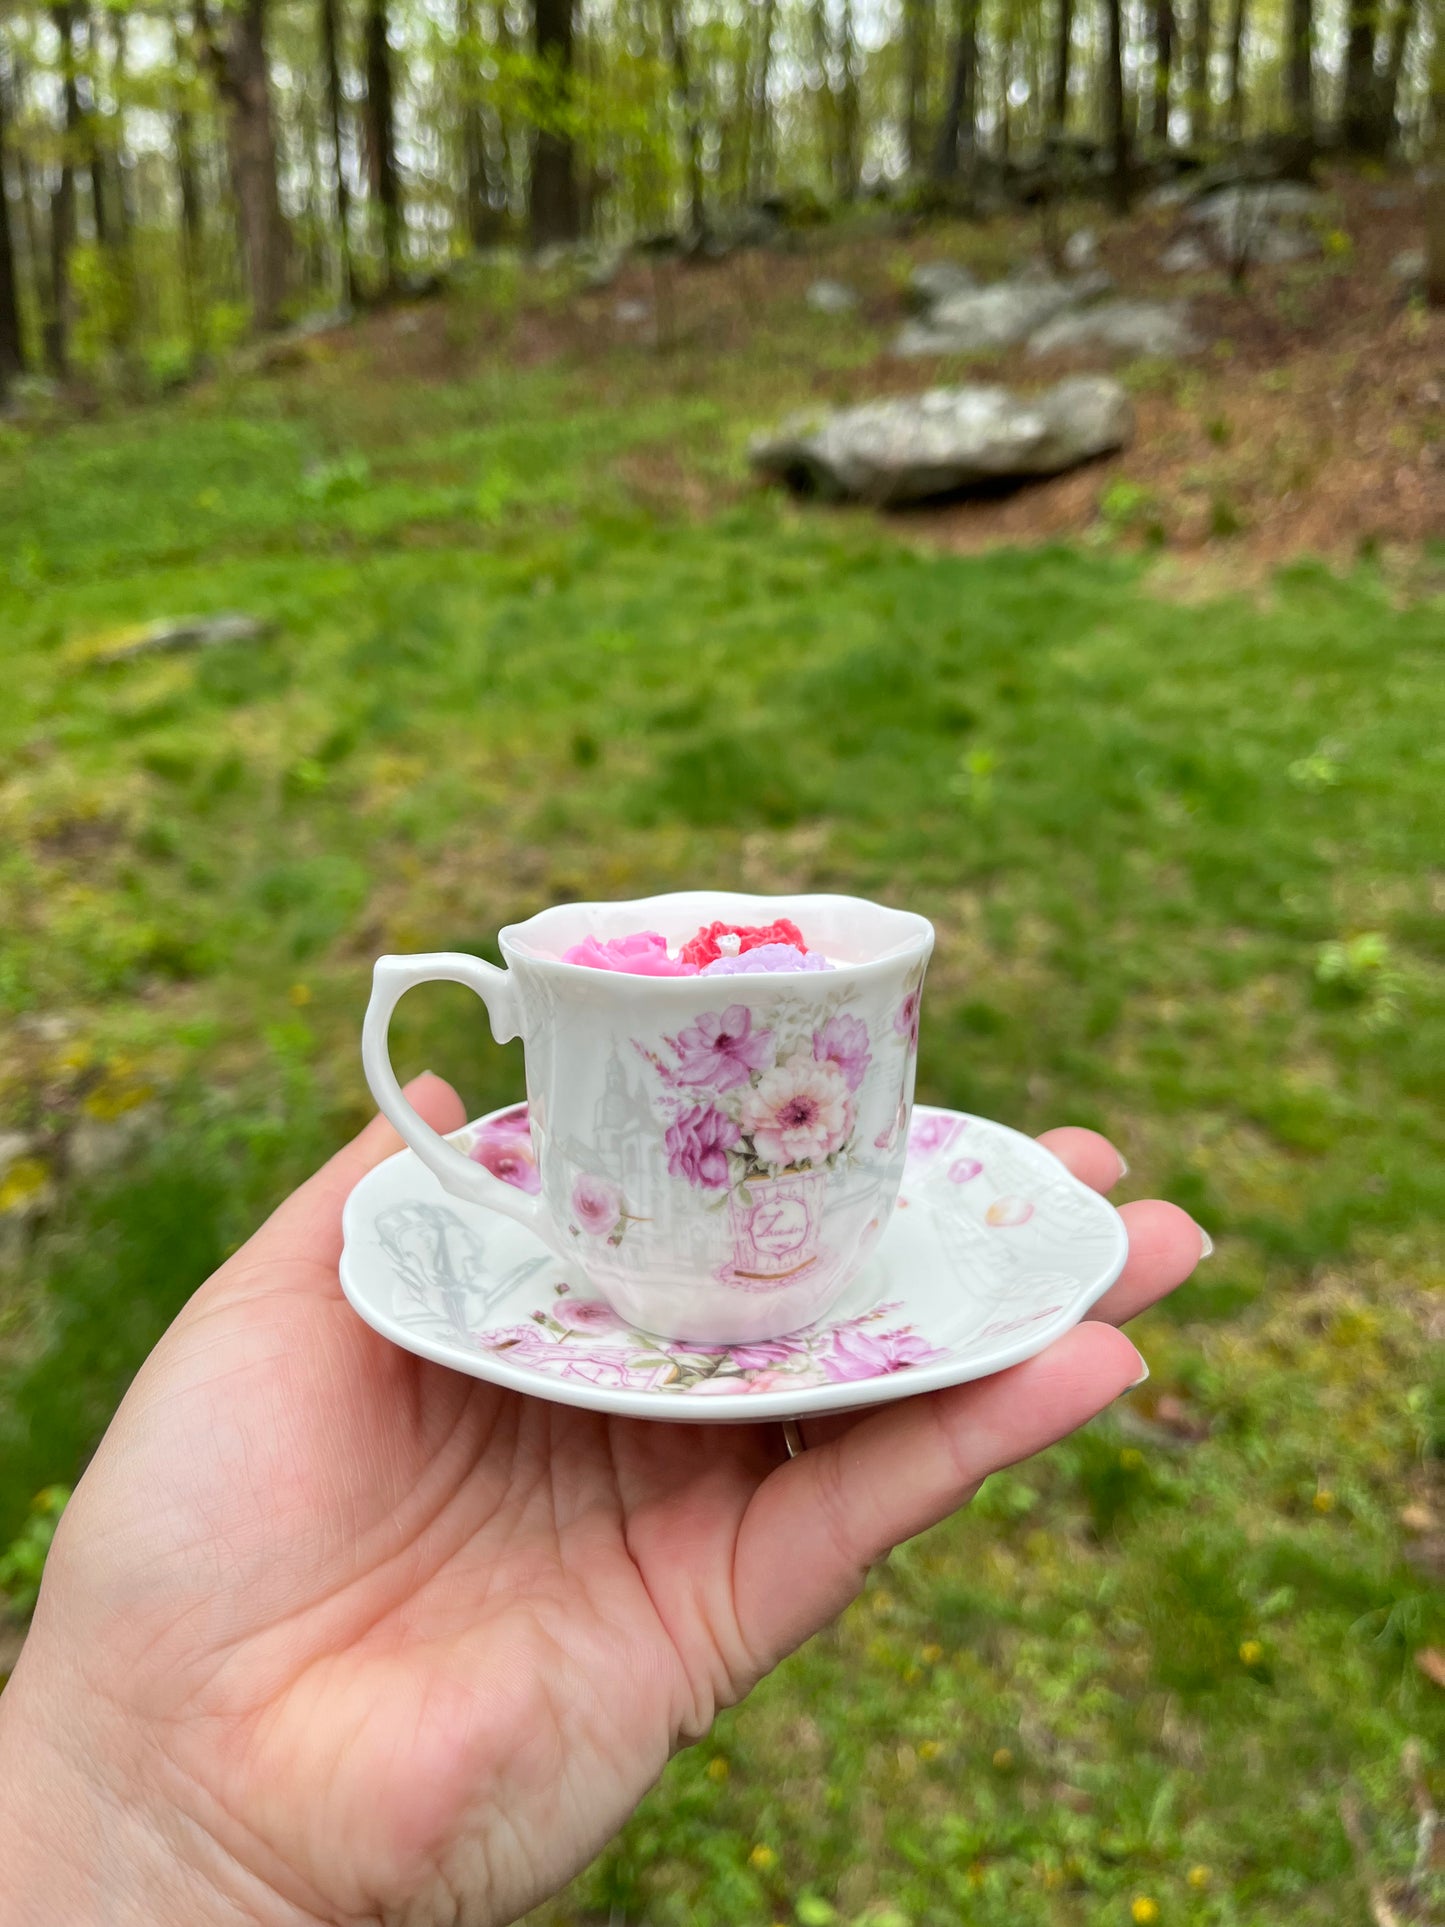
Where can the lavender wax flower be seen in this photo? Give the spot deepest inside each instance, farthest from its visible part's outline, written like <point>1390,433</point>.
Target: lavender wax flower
<point>768,956</point>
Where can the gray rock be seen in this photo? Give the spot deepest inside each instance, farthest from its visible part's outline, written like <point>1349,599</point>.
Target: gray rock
<point>95,1144</point>
<point>1266,222</point>
<point>632,313</point>
<point>894,452</point>
<point>933,281</point>
<point>1170,194</point>
<point>1258,201</point>
<point>994,317</point>
<point>1409,265</point>
<point>831,297</point>
<point>15,1145</point>
<point>1081,250</point>
<point>1152,328</point>
<point>183,632</point>
<point>1187,255</point>
<point>1389,197</point>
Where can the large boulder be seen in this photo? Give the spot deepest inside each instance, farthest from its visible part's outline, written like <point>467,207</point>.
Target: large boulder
<point>1265,222</point>
<point>934,281</point>
<point>1155,328</point>
<point>995,317</point>
<point>894,452</point>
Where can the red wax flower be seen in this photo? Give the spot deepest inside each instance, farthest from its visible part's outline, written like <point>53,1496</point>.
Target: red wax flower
<point>704,948</point>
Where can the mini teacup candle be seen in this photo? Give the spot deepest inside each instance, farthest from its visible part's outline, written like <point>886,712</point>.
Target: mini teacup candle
<point>719,1091</point>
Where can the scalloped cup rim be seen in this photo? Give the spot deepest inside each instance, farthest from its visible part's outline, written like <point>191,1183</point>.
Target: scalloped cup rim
<point>687,909</point>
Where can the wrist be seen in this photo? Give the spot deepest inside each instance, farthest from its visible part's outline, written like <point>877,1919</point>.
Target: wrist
<point>86,1836</point>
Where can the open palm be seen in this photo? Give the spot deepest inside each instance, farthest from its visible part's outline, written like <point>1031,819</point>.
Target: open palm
<point>389,1644</point>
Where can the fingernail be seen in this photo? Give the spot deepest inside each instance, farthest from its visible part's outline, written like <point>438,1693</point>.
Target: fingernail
<point>1123,1167</point>
<point>1135,1383</point>
<point>1206,1243</point>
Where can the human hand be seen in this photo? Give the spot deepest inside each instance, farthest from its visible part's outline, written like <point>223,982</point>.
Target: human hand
<point>330,1634</point>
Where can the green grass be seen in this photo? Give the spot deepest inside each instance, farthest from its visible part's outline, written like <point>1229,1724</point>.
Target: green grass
<point>1184,867</point>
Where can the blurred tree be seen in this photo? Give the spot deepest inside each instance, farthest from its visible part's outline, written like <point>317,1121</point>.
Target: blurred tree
<point>1116,119</point>
<point>62,199</point>
<point>553,207</point>
<point>1299,68</point>
<point>1435,170</point>
<point>380,120</point>
<point>954,153</point>
<point>917,44</point>
<point>12,345</point>
<point>1233,90</point>
<point>330,24</point>
<point>1063,56</point>
<point>1164,33</point>
<point>1200,39</point>
<point>235,48</point>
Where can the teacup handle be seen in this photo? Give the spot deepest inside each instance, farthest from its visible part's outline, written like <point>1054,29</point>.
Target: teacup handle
<point>391,979</point>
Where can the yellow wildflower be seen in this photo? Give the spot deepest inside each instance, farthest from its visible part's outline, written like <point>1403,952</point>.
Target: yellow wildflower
<point>1251,1652</point>
<point>1198,1878</point>
<point>761,1858</point>
<point>1144,1910</point>
<point>1003,1760</point>
<point>718,1769</point>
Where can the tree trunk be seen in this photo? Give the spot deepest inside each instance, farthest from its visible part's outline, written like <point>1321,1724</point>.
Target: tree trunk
<point>1164,35</point>
<point>237,58</point>
<point>1199,44</point>
<point>1115,120</point>
<point>90,108</point>
<point>1435,174</point>
<point>12,347</point>
<point>849,167</point>
<point>918,32</point>
<point>474,133</point>
<point>675,51</point>
<point>1063,50</point>
<point>62,200</point>
<point>340,190</point>
<point>1385,131</point>
<point>1300,69</point>
<point>553,204</point>
<point>1234,99</point>
<point>761,141</point>
<point>821,36</point>
<point>1357,104</point>
<point>383,178</point>
<point>956,135</point>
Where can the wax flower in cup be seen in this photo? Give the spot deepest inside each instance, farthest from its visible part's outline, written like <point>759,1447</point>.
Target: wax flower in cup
<point>714,1158</point>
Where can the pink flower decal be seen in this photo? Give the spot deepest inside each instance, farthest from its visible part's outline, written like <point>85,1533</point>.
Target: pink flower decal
<point>642,955</point>
<point>504,1148</point>
<point>698,1142</point>
<point>798,1113</point>
<point>722,1049</point>
<point>1008,1212</point>
<point>596,1205</point>
<point>859,1354</point>
<point>905,1020</point>
<point>930,1134</point>
<point>586,1315</point>
<point>843,1042</point>
<point>963,1170</point>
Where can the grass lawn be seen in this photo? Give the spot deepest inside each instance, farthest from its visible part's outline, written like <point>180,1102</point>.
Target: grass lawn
<point>1183,856</point>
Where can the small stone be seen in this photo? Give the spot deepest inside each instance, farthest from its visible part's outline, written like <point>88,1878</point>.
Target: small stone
<point>1417,1518</point>
<point>181,632</point>
<point>632,314</point>
<point>934,281</point>
<point>15,1145</point>
<point>1081,250</point>
<point>1187,255</point>
<point>1409,265</point>
<point>831,297</point>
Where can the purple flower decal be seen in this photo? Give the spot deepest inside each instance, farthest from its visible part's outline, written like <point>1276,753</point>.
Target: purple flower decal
<point>587,1315</point>
<point>843,1041</point>
<point>697,1146</point>
<point>858,1354</point>
<point>505,1149</point>
<point>905,1020</point>
<point>722,1050</point>
<point>596,1204</point>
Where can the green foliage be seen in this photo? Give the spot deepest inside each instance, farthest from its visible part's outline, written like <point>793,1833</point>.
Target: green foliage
<point>496,676</point>
<point>23,1561</point>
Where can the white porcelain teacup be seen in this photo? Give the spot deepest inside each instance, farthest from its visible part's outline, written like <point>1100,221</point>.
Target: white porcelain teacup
<point>718,1154</point>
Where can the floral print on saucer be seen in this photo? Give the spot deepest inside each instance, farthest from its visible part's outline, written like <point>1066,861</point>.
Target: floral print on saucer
<point>994,1249</point>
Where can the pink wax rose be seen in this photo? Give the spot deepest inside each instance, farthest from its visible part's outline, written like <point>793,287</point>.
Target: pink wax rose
<point>644,954</point>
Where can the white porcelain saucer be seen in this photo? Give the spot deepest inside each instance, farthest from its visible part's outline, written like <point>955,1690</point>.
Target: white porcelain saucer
<point>993,1251</point>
